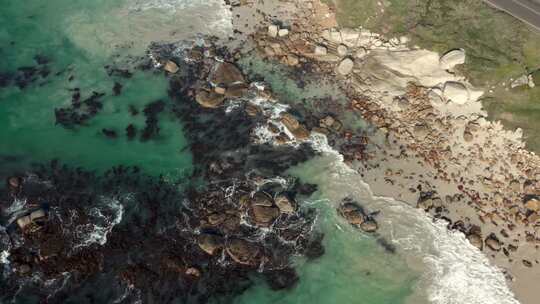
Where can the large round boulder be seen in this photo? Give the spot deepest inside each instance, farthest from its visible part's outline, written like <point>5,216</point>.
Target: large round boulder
<point>285,204</point>
<point>209,99</point>
<point>264,216</point>
<point>352,213</point>
<point>210,243</point>
<point>369,226</point>
<point>243,252</point>
<point>452,58</point>
<point>345,67</point>
<point>456,92</point>
<point>226,74</point>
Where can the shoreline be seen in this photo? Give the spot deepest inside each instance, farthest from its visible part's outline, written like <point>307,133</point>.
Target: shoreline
<point>437,154</point>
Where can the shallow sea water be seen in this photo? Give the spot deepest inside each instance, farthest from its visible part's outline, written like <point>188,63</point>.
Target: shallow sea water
<point>81,36</point>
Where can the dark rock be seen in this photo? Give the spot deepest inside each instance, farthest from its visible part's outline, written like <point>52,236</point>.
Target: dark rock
<point>210,243</point>
<point>244,252</point>
<point>118,72</point>
<point>151,112</point>
<point>117,89</point>
<point>476,241</point>
<point>14,182</point>
<point>131,132</point>
<point>109,133</point>
<point>493,242</point>
<point>282,279</point>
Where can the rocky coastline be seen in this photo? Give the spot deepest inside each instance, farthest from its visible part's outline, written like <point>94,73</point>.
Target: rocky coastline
<point>427,143</point>
<point>433,148</point>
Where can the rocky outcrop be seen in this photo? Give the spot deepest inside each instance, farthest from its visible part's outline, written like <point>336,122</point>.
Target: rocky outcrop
<point>209,99</point>
<point>244,252</point>
<point>225,74</point>
<point>356,216</point>
<point>476,241</point>
<point>345,67</point>
<point>298,130</point>
<point>210,243</point>
<point>171,67</point>
<point>456,92</point>
<point>285,204</point>
<point>452,58</point>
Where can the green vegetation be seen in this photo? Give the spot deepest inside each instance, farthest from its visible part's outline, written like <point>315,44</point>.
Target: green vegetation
<point>499,47</point>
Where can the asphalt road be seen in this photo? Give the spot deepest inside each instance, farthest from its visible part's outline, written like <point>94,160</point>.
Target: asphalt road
<point>527,11</point>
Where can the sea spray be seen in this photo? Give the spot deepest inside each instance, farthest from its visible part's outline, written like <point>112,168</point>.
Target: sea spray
<point>103,220</point>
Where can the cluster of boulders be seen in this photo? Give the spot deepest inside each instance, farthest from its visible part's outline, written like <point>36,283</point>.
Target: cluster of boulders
<point>257,230</point>
<point>224,81</point>
<point>355,215</point>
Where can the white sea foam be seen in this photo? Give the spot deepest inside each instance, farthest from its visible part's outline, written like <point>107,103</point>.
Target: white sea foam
<point>103,220</point>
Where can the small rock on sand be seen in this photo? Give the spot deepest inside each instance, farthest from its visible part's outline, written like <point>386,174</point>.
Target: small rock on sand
<point>273,30</point>
<point>493,243</point>
<point>283,32</point>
